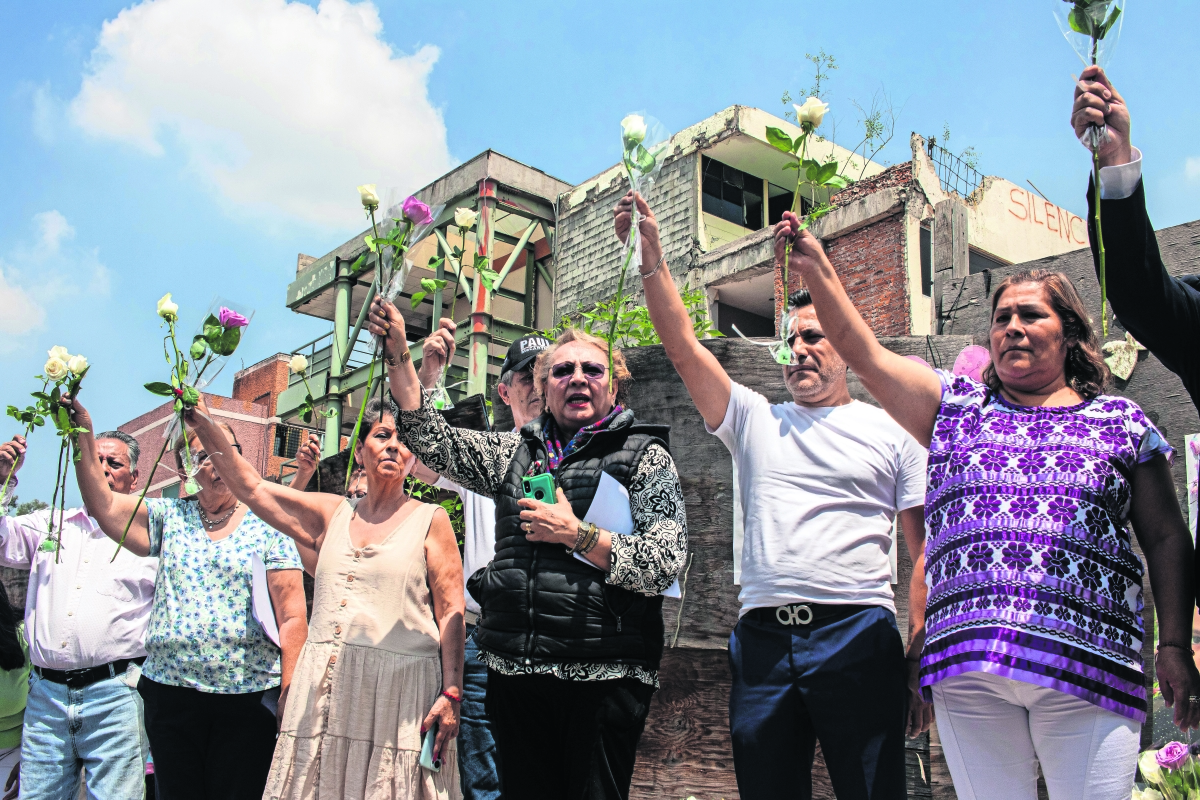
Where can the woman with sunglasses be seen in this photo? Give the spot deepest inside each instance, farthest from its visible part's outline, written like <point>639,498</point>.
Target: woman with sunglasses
<point>213,682</point>
<point>571,627</point>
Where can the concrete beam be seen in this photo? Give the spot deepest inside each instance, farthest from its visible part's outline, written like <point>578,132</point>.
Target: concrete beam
<point>859,214</point>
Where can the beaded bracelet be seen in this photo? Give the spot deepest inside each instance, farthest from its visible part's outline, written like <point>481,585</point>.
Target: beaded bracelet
<point>451,697</point>
<point>1187,648</point>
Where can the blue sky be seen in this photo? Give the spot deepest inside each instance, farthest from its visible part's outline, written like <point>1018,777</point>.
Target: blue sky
<point>195,146</point>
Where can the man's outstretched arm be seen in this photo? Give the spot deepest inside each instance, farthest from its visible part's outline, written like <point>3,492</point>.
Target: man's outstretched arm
<point>705,378</point>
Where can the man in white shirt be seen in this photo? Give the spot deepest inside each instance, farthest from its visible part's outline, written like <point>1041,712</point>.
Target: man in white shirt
<point>815,655</point>
<point>86,618</point>
<point>479,767</point>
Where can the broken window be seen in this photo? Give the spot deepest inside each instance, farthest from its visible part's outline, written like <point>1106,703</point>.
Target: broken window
<point>732,195</point>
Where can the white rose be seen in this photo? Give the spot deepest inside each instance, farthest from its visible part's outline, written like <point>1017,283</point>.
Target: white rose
<point>55,370</point>
<point>633,130</point>
<point>465,218</point>
<point>78,365</point>
<point>298,364</point>
<point>811,113</point>
<point>166,309</point>
<point>1148,764</point>
<point>59,352</point>
<point>369,198</point>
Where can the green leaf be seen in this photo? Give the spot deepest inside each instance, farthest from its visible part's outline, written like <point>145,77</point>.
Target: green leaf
<point>55,395</point>
<point>190,396</point>
<point>160,388</point>
<point>429,285</point>
<point>838,182</point>
<point>645,160</point>
<point>40,396</point>
<point>1108,23</point>
<point>1079,21</point>
<point>779,140</point>
<point>792,165</point>
<point>61,420</point>
<point>307,415</point>
<point>826,172</point>
<point>39,421</point>
<point>227,342</point>
<point>359,264</point>
<point>178,406</point>
<point>370,242</point>
<point>417,299</point>
<point>434,263</point>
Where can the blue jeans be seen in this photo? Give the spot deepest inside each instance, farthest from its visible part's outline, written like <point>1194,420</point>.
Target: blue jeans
<point>98,728</point>
<point>478,763</point>
<point>843,683</point>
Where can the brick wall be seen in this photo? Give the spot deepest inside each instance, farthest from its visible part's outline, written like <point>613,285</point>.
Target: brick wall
<point>588,255</point>
<point>262,384</point>
<point>870,262</point>
<point>896,176</point>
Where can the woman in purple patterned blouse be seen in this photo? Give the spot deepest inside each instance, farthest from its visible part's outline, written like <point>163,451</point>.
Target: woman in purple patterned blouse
<point>1034,619</point>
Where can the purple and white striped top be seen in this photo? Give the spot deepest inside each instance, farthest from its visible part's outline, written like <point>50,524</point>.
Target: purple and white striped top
<point>1031,571</point>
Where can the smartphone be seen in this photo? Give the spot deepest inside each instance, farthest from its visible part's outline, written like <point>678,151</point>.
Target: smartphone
<point>539,487</point>
<point>426,759</point>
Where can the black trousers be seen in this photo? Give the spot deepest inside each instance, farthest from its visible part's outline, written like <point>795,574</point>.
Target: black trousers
<point>208,746</point>
<point>566,740</point>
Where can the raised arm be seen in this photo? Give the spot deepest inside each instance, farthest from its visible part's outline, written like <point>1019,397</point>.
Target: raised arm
<point>909,391</point>
<point>705,378</point>
<point>301,515</point>
<point>111,510</point>
<point>472,459</point>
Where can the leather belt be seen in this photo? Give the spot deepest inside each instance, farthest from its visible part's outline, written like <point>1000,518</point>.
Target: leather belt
<point>805,615</point>
<point>79,678</point>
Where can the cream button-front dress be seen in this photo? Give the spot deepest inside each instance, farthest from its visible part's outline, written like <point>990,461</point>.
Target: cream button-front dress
<point>368,674</point>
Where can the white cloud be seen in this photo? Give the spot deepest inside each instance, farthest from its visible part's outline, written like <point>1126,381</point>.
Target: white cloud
<point>282,107</point>
<point>1191,168</point>
<point>54,228</point>
<point>19,314</point>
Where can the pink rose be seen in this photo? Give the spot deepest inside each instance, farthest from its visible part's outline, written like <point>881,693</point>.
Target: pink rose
<point>1173,756</point>
<point>417,212</point>
<point>231,319</point>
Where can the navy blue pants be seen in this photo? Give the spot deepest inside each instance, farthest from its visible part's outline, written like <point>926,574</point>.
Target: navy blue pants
<point>843,683</point>
<point>478,764</point>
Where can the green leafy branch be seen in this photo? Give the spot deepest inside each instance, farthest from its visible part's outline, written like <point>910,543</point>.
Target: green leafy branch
<point>633,327</point>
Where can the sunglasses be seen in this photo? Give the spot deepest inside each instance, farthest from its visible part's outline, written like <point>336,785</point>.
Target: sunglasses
<point>566,369</point>
<point>202,456</point>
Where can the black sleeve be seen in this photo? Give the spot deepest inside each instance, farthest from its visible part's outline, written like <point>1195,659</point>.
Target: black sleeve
<point>1162,312</point>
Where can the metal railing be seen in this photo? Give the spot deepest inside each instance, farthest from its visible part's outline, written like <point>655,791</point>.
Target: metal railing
<point>319,353</point>
<point>955,174</point>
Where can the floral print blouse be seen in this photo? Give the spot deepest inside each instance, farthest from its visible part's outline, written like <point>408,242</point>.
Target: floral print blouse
<point>202,634</point>
<point>1029,560</point>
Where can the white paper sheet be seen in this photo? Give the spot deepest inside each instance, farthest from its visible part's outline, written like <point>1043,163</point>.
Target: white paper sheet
<point>610,510</point>
<point>260,599</point>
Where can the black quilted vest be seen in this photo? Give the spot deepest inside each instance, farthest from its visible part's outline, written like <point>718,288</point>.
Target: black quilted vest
<point>541,604</point>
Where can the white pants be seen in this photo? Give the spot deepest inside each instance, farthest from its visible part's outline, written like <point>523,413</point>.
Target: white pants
<point>995,730</point>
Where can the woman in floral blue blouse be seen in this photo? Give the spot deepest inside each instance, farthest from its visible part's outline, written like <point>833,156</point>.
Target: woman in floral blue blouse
<point>1034,615</point>
<point>211,674</point>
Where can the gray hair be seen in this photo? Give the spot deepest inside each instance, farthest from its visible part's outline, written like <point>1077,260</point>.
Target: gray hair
<point>135,450</point>
<point>375,411</point>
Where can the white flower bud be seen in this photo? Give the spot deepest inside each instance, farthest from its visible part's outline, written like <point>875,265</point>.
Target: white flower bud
<point>78,365</point>
<point>298,364</point>
<point>633,131</point>
<point>465,218</point>
<point>369,198</point>
<point>811,114</point>
<point>166,309</point>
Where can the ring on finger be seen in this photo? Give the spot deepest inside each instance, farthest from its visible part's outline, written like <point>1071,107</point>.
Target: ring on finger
<point>1193,698</point>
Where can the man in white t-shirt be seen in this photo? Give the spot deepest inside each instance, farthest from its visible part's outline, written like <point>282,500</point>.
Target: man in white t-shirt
<point>816,655</point>
<point>477,758</point>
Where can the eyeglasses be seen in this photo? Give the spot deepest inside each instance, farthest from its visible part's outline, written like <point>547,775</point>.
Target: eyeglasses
<point>201,456</point>
<point>566,369</point>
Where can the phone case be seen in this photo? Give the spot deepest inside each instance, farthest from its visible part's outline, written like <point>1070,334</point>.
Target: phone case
<point>539,487</point>
<point>427,752</point>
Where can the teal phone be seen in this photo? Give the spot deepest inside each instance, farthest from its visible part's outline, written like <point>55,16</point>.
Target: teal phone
<point>426,760</point>
<point>539,487</point>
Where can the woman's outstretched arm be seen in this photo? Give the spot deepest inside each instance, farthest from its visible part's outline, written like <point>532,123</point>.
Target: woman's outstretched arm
<point>908,391</point>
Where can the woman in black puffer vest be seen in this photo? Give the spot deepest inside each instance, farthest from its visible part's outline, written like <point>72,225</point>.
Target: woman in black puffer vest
<point>572,627</point>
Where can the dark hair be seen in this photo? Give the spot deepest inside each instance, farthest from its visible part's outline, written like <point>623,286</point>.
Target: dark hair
<point>1085,369</point>
<point>135,451</point>
<point>799,299</point>
<point>12,655</point>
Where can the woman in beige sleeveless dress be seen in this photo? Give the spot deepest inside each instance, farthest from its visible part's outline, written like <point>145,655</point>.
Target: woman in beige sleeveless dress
<point>384,655</point>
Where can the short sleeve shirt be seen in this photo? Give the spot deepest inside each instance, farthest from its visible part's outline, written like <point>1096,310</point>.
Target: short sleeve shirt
<point>1029,559</point>
<point>202,633</point>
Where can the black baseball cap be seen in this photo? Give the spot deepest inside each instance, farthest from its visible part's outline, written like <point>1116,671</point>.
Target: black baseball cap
<point>523,351</point>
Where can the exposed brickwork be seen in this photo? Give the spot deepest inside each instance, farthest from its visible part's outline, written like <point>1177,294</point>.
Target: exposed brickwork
<point>897,175</point>
<point>870,262</point>
<point>589,255</point>
<point>262,383</point>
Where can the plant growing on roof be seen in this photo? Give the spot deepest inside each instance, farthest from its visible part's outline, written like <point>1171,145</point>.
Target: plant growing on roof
<point>1092,28</point>
<point>219,336</point>
<point>810,173</point>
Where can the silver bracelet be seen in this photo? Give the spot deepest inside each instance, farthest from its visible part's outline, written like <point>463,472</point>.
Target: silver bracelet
<point>661,260</point>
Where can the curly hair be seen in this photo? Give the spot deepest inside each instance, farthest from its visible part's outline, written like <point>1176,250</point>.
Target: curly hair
<point>541,367</point>
<point>1085,369</point>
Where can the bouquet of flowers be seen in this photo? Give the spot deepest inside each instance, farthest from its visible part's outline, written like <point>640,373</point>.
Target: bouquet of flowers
<point>1092,28</point>
<point>61,375</point>
<point>218,338</point>
<point>643,145</point>
<point>1171,773</point>
<point>810,173</point>
<point>409,222</point>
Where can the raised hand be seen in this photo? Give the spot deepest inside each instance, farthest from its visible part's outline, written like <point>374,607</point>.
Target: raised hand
<point>1097,103</point>
<point>647,226</point>
<point>437,350</point>
<point>386,322</point>
<point>12,456</point>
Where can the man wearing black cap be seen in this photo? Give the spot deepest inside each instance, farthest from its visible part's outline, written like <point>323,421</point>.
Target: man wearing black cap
<point>477,761</point>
